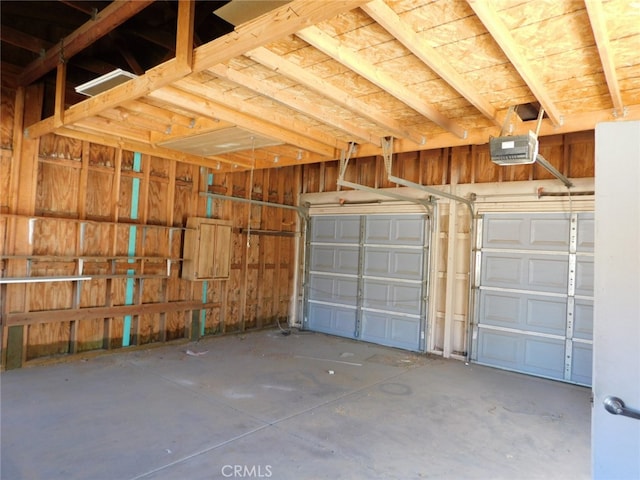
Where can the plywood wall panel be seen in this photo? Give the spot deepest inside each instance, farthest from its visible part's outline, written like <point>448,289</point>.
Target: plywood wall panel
<point>6,160</point>
<point>148,328</point>
<point>90,334</point>
<point>47,339</point>
<point>98,195</point>
<point>485,170</point>
<point>432,166</point>
<point>57,190</point>
<point>7,106</point>
<point>157,202</point>
<point>213,321</point>
<point>152,290</point>
<point>54,237</point>
<point>176,324</point>
<point>115,341</point>
<point>93,293</point>
<point>62,148</point>
<point>183,206</point>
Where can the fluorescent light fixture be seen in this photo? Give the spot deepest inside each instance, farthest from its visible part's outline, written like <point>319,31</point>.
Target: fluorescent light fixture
<point>225,140</point>
<point>105,82</point>
<point>238,12</point>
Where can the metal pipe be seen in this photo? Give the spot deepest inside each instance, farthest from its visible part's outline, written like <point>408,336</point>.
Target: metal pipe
<point>551,169</point>
<point>379,191</point>
<point>302,211</point>
<point>430,190</point>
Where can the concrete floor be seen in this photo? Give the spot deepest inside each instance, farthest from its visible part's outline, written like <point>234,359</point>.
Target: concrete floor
<point>264,405</point>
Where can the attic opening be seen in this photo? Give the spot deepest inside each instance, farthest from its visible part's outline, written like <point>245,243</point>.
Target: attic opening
<point>528,111</point>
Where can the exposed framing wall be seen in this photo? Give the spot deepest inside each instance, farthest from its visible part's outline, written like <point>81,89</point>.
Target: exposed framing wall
<point>72,208</point>
<point>74,200</point>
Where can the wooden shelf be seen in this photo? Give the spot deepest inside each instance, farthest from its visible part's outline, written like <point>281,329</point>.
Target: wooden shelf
<point>71,278</point>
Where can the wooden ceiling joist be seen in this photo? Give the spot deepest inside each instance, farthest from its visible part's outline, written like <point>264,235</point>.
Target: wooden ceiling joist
<point>20,39</point>
<point>283,21</point>
<point>205,106</point>
<point>134,146</point>
<point>387,18</point>
<point>292,101</point>
<point>503,37</point>
<point>601,35</point>
<point>350,59</point>
<point>292,71</point>
<point>105,21</point>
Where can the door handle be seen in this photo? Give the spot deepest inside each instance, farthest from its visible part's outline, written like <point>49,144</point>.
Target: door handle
<point>616,406</point>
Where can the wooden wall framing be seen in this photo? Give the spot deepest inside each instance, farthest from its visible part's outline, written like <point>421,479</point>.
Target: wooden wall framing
<point>71,208</point>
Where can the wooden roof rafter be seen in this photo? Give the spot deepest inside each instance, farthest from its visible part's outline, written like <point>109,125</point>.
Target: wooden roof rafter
<point>387,18</point>
<point>280,22</point>
<point>503,37</point>
<point>105,21</point>
<point>292,101</point>
<point>292,71</point>
<point>601,35</point>
<point>189,96</point>
<point>343,54</point>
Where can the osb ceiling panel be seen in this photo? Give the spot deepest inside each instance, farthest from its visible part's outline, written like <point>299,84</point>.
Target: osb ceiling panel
<point>316,76</point>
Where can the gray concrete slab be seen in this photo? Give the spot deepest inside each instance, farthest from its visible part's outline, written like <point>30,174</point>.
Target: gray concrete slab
<point>264,405</point>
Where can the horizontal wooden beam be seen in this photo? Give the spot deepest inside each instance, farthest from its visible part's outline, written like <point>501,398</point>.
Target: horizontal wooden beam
<point>133,146</point>
<point>106,20</point>
<point>49,316</point>
<point>283,21</point>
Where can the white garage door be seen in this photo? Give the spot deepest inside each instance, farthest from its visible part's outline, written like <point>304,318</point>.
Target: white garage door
<point>366,278</point>
<point>535,295</point>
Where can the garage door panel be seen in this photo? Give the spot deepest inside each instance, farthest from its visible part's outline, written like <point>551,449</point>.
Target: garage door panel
<point>336,229</point>
<point>333,289</point>
<point>527,354</point>
<point>522,271</point>
<point>526,232</point>
<point>502,270</point>
<point>584,276</point>
<point>335,259</point>
<point>501,309</point>
<point>505,231</point>
<point>544,356</point>
<point>399,297</point>
<point>582,363</point>
<point>391,330</point>
<point>583,319</point>
<point>398,263</point>
<point>532,313</point>
<point>535,294</point>
<point>547,274</point>
<point>332,319</point>
<point>546,315</point>
<point>395,231</point>
<point>549,233</point>
<point>365,278</point>
<point>586,233</point>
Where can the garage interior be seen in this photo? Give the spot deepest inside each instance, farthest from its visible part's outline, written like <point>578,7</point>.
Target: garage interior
<point>331,184</point>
